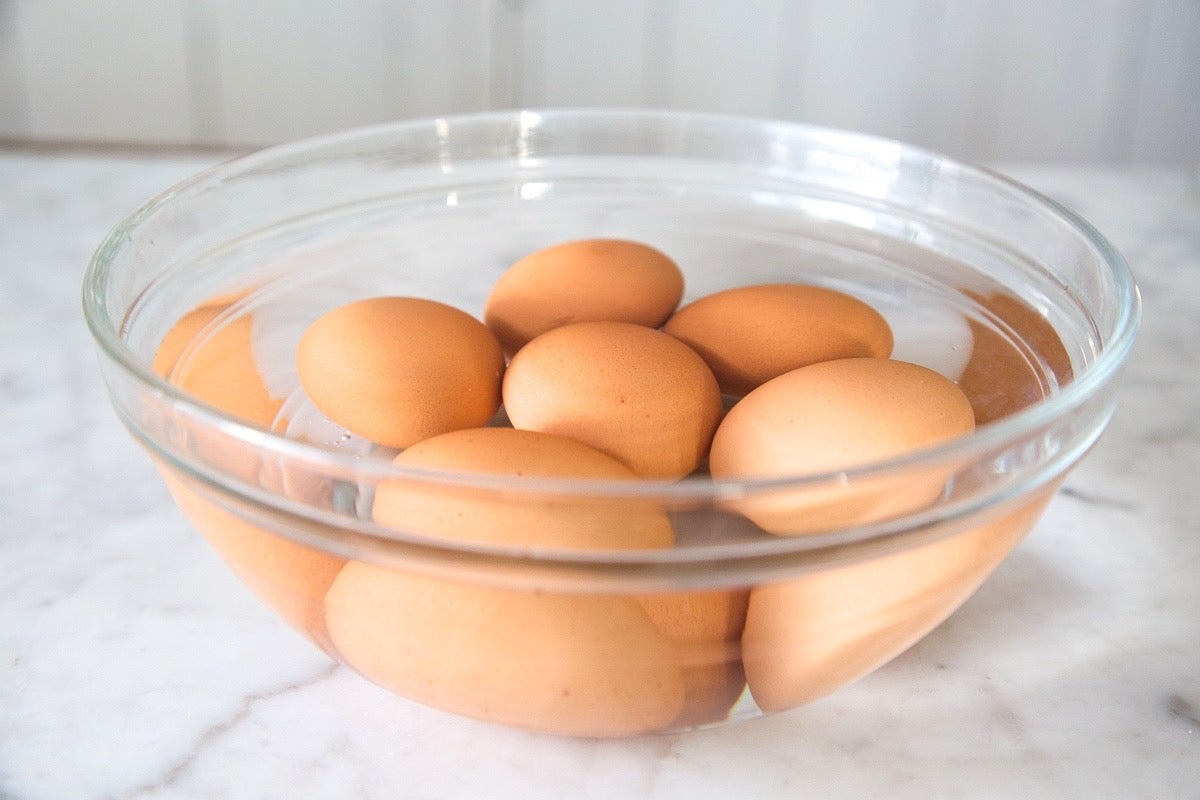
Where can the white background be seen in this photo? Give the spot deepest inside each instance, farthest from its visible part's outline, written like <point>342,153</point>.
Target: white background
<point>1102,81</point>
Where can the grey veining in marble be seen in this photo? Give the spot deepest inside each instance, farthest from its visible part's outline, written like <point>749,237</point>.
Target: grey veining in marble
<point>133,665</point>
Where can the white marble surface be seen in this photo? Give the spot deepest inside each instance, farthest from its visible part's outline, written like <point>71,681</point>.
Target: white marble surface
<point>132,665</point>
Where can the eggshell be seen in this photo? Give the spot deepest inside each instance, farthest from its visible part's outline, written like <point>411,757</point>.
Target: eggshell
<point>750,334</point>
<point>585,280</point>
<point>808,636</point>
<point>472,514</point>
<point>581,665</point>
<point>833,416</point>
<point>713,681</point>
<point>635,393</point>
<point>212,359</point>
<point>396,370</point>
<point>998,379</point>
<point>709,616</point>
<point>218,367</point>
<point>706,629</point>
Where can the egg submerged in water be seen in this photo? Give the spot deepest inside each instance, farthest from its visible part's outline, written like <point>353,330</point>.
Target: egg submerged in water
<point>586,280</point>
<point>611,399</point>
<point>750,334</point>
<point>633,392</point>
<point>471,514</point>
<point>577,663</point>
<point>209,353</point>
<point>833,416</point>
<point>397,370</point>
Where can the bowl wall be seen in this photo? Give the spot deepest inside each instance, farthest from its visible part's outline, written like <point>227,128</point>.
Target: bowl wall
<point>197,303</point>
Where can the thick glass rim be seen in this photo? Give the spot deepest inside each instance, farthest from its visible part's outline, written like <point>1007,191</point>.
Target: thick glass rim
<point>1111,353</point>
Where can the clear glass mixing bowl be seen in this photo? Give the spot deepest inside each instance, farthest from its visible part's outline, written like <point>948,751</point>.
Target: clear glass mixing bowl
<point>197,300</point>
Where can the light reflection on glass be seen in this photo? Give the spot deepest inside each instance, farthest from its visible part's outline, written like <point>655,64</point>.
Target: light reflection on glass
<point>445,157</point>
<point>870,178</point>
<point>532,190</point>
<point>527,124</point>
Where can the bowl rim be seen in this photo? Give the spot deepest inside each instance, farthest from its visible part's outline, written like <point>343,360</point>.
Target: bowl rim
<point>1111,353</point>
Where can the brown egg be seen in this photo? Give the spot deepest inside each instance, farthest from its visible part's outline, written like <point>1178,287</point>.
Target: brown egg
<point>396,370</point>
<point>808,636</point>
<point>471,514</point>
<point>750,334</point>
<point>698,616</point>
<point>706,629</point>
<point>212,359</point>
<point>219,369</point>
<point>574,664</point>
<point>834,416</point>
<point>633,392</point>
<point>586,280</point>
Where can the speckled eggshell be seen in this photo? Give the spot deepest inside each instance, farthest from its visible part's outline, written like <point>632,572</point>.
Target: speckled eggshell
<point>833,416</point>
<point>750,334</point>
<point>396,370</point>
<point>581,664</point>
<point>633,392</point>
<point>584,280</point>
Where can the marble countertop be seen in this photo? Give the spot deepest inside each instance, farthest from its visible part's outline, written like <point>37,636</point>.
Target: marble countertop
<point>133,665</point>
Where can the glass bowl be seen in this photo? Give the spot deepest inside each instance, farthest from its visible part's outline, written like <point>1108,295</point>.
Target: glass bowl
<point>198,299</point>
